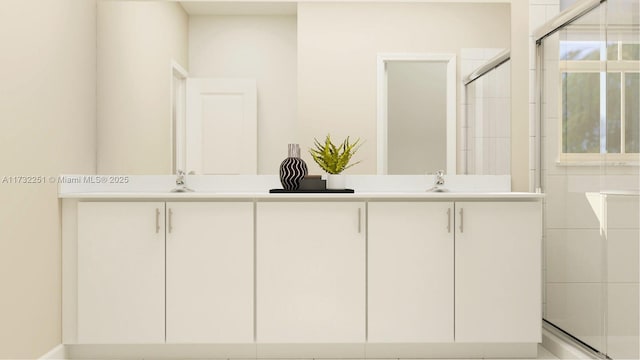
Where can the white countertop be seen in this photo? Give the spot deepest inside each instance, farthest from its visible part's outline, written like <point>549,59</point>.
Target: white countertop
<point>264,196</point>
<point>256,188</point>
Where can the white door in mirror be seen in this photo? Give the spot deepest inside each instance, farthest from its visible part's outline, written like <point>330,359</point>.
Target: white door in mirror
<point>221,126</point>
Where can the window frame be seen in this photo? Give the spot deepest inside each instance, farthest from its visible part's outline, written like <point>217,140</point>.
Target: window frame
<point>619,66</point>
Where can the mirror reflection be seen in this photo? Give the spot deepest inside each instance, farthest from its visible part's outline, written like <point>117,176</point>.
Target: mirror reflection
<point>488,118</point>
<point>417,114</point>
<point>310,79</point>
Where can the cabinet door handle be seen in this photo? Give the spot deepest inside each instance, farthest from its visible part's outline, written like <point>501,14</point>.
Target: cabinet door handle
<point>461,220</point>
<point>449,220</point>
<point>170,227</point>
<point>157,220</point>
<point>359,220</point>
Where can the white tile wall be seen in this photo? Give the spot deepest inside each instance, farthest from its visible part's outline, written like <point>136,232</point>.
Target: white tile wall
<point>574,255</point>
<point>540,12</point>
<point>622,233</point>
<point>623,212</point>
<point>577,308</point>
<point>578,257</point>
<point>502,123</point>
<point>503,155</point>
<point>551,144</point>
<point>488,122</point>
<point>622,255</point>
<point>537,16</point>
<point>545,2</point>
<point>622,321</point>
<point>567,204</point>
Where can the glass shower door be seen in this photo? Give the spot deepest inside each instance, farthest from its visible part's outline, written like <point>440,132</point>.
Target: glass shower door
<point>589,137</point>
<point>620,180</point>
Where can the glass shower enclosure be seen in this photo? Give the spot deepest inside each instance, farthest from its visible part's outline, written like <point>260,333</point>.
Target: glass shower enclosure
<point>587,164</point>
<point>487,131</point>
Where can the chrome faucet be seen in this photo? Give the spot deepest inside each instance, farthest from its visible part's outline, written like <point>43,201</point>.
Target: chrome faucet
<point>181,182</point>
<point>438,183</point>
<point>439,178</point>
<point>180,178</point>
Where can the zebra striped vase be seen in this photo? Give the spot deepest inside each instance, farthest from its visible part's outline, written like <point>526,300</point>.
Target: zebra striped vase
<point>293,169</point>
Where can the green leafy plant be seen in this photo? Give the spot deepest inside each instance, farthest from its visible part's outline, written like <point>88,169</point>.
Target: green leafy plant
<point>334,159</point>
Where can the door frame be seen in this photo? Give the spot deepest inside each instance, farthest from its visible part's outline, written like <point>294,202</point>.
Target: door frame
<point>178,114</point>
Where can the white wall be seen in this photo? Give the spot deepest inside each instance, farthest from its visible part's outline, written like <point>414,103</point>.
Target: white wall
<point>136,42</point>
<point>519,95</point>
<point>259,47</point>
<point>47,127</point>
<point>337,63</point>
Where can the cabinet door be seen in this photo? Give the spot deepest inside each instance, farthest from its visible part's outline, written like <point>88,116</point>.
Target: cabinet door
<point>311,272</point>
<point>410,278</point>
<point>209,272</point>
<point>120,272</point>
<point>498,271</point>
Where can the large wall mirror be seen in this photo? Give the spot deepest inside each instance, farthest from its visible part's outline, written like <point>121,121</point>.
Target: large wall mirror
<point>315,66</point>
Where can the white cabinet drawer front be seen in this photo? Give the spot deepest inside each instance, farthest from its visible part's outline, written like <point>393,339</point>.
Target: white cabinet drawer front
<point>121,272</point>
<point>209,272</point>
<point>310,272</point>
<point>410,281</point>
<point>498,272</point>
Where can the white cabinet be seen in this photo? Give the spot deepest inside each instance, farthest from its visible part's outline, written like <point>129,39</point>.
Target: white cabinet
<point>498,272</point>
<point>310,272</point>
<point>121,272</point>
<point>294,272</point>
<point>497,262</point>
<point>410,264</point>
<point>209,271</point>
<point>208,267</point>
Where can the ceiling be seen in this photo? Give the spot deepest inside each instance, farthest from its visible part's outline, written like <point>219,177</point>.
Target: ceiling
<point>284,7</point>
<point>239,8</point>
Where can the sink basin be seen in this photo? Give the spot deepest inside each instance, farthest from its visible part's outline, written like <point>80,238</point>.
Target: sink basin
<point>437,189</point>
<point>181,189</point>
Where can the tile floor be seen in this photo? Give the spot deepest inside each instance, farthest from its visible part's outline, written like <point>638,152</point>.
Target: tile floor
<point>544,353</point>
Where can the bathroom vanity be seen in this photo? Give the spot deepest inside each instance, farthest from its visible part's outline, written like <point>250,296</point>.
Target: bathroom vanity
<point>377,274</point>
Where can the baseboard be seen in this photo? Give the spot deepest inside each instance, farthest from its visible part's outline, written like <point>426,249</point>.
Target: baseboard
<point>562,346</point>
<point>57,353</point>
<point>304,351</point>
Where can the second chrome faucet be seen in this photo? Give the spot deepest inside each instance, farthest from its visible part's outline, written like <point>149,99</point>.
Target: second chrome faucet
<point>438,183</point>
<point>181,183</point>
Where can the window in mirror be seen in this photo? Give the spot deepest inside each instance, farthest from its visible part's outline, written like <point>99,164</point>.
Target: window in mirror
<point>599,110</point>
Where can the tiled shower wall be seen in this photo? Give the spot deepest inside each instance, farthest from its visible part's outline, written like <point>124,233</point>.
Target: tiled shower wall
<point>540,11</point>
<point>486,149</point>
